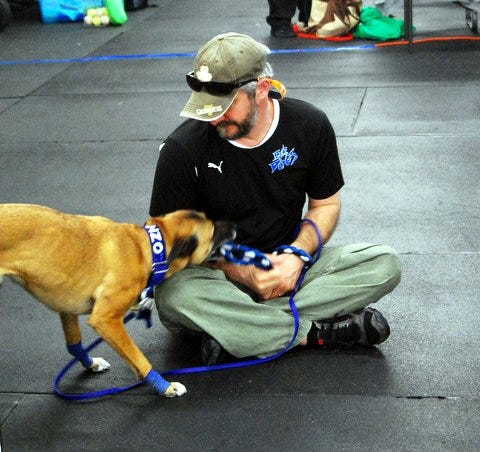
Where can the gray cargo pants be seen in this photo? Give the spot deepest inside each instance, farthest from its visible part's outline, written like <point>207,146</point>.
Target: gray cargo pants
<point>344,279</point>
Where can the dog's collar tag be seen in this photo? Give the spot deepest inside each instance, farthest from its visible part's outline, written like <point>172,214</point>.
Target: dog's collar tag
<point>159,255</point>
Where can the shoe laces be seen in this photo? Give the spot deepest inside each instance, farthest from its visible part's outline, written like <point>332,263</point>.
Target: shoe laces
<point>338,329</point>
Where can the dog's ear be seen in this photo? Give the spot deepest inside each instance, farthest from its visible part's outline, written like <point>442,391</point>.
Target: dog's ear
<point>182,248</point>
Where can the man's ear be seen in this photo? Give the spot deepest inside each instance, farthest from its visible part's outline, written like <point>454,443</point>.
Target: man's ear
<point>263,87</point>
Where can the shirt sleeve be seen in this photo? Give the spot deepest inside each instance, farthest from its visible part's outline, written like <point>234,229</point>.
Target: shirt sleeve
<point>175,182</point>
<point>325,177</point>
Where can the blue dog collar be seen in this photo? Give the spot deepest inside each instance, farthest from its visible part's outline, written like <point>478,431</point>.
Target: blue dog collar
<point>159,258</point>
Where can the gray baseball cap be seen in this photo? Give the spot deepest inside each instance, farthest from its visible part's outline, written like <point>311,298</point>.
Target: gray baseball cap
<point>229,58</point>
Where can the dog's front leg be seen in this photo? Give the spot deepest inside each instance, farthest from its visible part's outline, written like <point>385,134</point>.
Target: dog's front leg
<point>109,325</point>
<point>73,338</point>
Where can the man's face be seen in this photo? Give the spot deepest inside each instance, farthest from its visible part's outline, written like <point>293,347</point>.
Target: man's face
<point>239,119</point>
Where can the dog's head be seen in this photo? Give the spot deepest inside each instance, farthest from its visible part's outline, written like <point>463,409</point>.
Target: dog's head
<point>190,237</point>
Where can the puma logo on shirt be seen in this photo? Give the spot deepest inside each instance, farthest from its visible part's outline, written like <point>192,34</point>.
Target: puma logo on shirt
<point>218,167</point>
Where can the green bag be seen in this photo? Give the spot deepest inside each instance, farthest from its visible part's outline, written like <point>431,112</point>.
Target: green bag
<point>374,25</point>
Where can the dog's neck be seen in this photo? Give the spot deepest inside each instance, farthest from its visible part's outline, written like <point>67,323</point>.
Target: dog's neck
<point>159,255</point>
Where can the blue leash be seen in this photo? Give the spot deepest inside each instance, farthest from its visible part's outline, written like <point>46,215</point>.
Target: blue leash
<point>233,253</point>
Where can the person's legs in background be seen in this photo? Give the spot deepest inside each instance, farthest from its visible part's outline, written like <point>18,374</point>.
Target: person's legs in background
<point>280,17</point>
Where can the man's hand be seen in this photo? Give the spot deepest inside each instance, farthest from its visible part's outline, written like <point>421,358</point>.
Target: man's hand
<point>278,281</point>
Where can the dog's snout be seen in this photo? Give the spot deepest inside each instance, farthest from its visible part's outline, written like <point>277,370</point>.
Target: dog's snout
<point>224,231</point>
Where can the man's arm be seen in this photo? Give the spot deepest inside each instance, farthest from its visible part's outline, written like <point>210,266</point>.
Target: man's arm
<point>324,213</point>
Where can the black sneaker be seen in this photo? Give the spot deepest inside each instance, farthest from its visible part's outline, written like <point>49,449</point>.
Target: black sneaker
<point>365,327</point>
<point>212,351</point>
<point>283,31</point>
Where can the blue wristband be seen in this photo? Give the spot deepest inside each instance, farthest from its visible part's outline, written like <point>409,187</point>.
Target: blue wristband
<point>289,249</point>
<point>81,354</point>
<point>157,381</point>
<point>319,237</point>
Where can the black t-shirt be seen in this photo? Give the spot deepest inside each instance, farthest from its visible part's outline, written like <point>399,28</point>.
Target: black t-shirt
<point>262,189</point>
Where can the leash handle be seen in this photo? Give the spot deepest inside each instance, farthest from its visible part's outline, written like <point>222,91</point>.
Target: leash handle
<point>319,237</point>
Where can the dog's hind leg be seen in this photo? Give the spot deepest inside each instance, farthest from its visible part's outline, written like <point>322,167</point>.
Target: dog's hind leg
<point>73,338</point>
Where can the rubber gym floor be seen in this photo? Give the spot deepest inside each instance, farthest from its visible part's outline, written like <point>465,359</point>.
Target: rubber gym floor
<point>83,111</point>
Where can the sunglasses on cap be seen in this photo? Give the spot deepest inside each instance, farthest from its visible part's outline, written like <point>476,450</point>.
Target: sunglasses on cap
<point>214,88</point>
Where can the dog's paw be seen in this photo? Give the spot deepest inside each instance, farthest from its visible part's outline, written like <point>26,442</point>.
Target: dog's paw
<point>99,365</point>
<point>175,390</point>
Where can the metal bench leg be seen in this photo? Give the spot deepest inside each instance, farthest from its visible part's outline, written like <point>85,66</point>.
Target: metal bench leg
<point>408,19</point>
<point>472,20</point>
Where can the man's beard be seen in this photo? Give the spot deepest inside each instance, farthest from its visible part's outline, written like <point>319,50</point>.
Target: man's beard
<point>243,128</point>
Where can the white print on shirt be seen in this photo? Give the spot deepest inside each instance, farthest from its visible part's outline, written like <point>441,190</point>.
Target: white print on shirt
<point>218,167</point>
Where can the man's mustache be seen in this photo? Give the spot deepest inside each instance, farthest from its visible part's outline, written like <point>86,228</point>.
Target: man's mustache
<point>227,123</point>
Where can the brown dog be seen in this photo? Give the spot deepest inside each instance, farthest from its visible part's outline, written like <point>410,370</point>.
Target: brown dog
<point>77,264</point>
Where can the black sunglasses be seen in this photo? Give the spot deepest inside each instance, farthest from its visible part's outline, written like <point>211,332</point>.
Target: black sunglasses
<point>214,88</point>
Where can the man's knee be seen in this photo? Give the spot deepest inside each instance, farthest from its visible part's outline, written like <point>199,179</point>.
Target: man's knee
<point>178,291</point>
<point>389,265</point>
<point>170,293</point>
